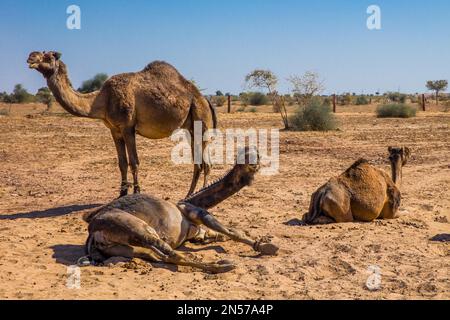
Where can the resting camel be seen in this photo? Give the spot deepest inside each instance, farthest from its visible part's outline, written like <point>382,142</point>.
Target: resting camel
<point>150,228</point>
<point>361,193</point>
<point>152,103</point>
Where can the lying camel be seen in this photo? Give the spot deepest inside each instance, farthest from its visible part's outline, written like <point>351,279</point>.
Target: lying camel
<point>361,193</point>
<point>150,228</point>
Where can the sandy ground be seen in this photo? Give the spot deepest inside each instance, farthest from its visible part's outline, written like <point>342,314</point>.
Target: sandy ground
<point>55,168</point>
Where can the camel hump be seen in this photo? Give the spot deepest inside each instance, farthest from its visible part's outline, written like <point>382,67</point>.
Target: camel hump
<point>159,67</point>
<point>358,163</point>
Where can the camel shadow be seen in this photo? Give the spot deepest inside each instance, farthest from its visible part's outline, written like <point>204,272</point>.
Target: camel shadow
<point>443,237</point>
<point>67,254</point>
<point>295,223</point>
<point>48,213</point>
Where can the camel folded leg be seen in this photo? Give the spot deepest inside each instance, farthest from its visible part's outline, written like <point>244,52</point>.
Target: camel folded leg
<point>116,231</point>
<point>200,216</point>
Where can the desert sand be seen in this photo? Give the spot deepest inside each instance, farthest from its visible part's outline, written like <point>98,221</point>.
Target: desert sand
<point>56,167</point>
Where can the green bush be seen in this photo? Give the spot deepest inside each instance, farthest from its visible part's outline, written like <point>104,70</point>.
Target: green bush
<point>258,99</point>
<point>93,84</point>
<point>362,100</point>
<point>252,110</point>
<point>396,110</point>
<point>316,116</point>
<point>219,100</point>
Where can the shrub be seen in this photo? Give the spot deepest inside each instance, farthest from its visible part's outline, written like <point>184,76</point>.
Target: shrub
<point>396,110</point>
<point>93,84</point>
<point>345,99</point>
<point>219,100</point>
<point>4,112</point>
<point>258,99</point>
<point>316,116</point>
<point>252,110</point>
<point>361,100</point>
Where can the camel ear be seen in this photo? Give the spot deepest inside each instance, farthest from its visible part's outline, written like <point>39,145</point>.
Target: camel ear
<point>407,151</point>
<point>57,55</point>
<point>390,149</point>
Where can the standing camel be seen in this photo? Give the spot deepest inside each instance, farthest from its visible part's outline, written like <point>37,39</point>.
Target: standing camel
<point>361,193</point>
<point>152,103</point>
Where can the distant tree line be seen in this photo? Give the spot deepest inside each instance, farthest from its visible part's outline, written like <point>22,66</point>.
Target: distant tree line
<point>45,96</point>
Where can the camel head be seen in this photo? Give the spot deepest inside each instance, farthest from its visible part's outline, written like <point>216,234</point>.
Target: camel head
<point>247,165</point>
<point>46,63</point>
<point>399,155</point>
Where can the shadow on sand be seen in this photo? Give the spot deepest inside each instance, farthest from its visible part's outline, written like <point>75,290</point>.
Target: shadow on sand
<point>67,254</point>
<point>48,213</point>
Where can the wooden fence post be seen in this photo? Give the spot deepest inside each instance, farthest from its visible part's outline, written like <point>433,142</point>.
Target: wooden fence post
<point>334,103</point>
<point>229,103</point>
<point>423,102</point>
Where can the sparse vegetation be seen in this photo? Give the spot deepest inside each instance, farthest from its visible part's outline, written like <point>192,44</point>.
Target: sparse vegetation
<point>396,110</point>
<point>396,97</point>
<point>266,79</point>
<point>45,96</point>
<point>306,86</point>
<point>219,100</point>
<point>345,99</point>
<point>362,100</point>
<point>316,116</point>
<point>257,99</point>
<point>437,86</point>
<point>93,84</point>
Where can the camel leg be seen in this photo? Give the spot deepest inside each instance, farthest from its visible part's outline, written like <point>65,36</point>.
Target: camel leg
<point>129,135</point>
<point>205,236</point>
<point>123,162</point>
<point>118,230</point>
<point>336,205</point>
<point>195,178</point>
<point>200,216</point>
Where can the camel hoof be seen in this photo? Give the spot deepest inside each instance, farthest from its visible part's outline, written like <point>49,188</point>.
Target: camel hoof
<point>268,249</point>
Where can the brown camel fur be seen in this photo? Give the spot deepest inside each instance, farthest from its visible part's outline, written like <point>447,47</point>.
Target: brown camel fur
<point>152,103</point>
<point>361,193</point>
<point>151,228</point>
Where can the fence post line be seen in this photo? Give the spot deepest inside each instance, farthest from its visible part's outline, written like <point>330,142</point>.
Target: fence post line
<point>334,103</point>
<point>423,102</point>
<point>229,103</point>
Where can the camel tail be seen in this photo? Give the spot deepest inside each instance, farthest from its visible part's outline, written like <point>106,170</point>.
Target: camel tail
<point>315,206</point>
<point>88,216</point>
<point>213,113</point>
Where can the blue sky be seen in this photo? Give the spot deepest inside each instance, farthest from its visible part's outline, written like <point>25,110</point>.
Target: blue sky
<point>218,42</point>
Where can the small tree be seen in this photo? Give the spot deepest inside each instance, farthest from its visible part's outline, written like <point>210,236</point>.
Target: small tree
<point>93,84</point>
<point>45,96</point>
<point>437,86</point>
<point>219,93</point>
<point>267,80</point>
<point>306,86</point>
<point>20,95</point>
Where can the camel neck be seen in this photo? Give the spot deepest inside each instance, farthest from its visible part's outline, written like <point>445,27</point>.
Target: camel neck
<point>77,104</point>
<point>220,190</point>
<point>396,168</point>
